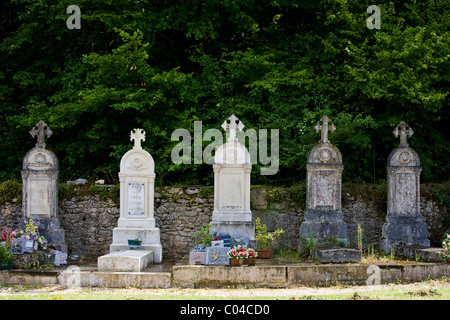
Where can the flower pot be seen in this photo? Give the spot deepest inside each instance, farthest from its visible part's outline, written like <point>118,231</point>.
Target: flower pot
<point>249,261</point>
<point>6,265</point>
<point>236,262</point>
<point>264,254</point>
<point>134,244</point>
<point>448,260</point>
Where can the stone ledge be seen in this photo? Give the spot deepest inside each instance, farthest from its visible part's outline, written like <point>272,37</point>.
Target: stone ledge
<point>337,255</point>
<point>125,261</point>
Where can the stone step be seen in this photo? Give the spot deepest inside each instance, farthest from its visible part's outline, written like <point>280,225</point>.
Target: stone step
<point>125,261</point>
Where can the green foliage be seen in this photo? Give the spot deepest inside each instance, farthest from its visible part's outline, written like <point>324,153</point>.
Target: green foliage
<point>266,239</point>
<point>203,236</point>
<point>10,190</point>
<point>5,254</point>
<point>275,64</point>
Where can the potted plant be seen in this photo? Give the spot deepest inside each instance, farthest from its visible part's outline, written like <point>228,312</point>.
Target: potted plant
<point>445,254</point>
<point>265,239</point>
<point>6,257</point>
<point>241,255</point>
<point>201,239</point>
<point>134,244</point>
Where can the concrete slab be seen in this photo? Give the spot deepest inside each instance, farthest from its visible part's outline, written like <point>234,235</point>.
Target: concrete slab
<point>337,255</point>
<point>125,261</point>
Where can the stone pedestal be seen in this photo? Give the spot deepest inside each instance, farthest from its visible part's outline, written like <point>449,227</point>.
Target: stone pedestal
<point>232,167</point>
<point>137,221</point>
<point>40,171</point>
<point>323,215</point>
<point>125,261</point>
<point>404,225</point>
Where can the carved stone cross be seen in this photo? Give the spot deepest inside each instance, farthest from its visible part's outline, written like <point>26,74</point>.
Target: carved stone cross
<point>41,130</point>
<point>324,128</point>
<point>232,124</point>
<point>403,133</point>
<point>137,135</point>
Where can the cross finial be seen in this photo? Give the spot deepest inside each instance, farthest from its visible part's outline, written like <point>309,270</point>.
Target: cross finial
<point>403,133</point>
<point>232,124</point>
<point>41,130</point>
<point>324,128</point>
<point>137,135</point>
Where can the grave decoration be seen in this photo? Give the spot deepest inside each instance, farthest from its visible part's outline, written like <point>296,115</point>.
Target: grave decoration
<point>202,239</point>
<point>241,255</point>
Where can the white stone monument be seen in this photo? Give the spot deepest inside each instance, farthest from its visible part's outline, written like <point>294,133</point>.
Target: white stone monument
<point>40,171</point>
<point>137,220</point>
<point>323,215</point>
<point>232,167</point>
<point>404,225</point>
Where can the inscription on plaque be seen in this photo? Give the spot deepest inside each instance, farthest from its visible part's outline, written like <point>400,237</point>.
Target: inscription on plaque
<point>136,198</point>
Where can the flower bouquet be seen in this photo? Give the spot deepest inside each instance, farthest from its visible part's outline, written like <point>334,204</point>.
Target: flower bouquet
<point>445,254</point>
<point>241,255</point>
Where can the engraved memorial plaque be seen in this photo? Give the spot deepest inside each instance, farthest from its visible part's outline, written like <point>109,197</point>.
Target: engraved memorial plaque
<point>136,198</point>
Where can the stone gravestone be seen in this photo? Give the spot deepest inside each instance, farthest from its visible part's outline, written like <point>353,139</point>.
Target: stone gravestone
<point>40,189</point>
<point>232,167</point>
<point>404,226</point>
<point>137,221</point>
<point>323,215</point>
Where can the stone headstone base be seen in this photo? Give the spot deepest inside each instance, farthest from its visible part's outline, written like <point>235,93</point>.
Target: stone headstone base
<point>420,253</point>
<point>403,231</point>
<point>150,240</point>
<point>51,229</point>
<point>243,228</point>
<point>125,261</point>
<point>324,225</point>
<point>331,254</point>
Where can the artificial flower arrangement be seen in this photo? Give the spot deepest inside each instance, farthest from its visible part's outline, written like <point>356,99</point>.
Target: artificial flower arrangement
<point>446,246</point>
<point>31,232</point>
<point>242,252</point>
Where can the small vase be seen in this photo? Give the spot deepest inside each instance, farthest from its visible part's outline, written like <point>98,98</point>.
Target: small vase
<point>6,265</point>
<point>134,244</point>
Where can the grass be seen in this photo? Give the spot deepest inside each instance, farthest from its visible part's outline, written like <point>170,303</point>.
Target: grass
<point>425,290</point>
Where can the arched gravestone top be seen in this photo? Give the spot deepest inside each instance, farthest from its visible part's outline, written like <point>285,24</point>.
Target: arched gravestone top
<point>39,158</point>
<point>403,155</point>
<point>232,152</point>
<point>137,160</point>
<point>324,152</point>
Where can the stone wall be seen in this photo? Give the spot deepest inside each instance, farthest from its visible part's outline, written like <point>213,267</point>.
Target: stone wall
<point>88,220</point>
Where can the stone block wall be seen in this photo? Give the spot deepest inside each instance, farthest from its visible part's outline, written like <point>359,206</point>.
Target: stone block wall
<point>88,220</point>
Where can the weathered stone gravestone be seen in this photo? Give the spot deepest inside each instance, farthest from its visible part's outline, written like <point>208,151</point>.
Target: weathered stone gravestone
<point>40,171</point>
<point>137,221</point>
<point>404,226</point>
<point>232,167</point>
<point>323,215</point>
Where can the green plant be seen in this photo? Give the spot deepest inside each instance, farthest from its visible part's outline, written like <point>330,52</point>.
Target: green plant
<point>360,243</point>
<point>308,245</point>
<point>205,192</point>
<point>266,239</point>
<point>203,236</point>
<point>5,254</point>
